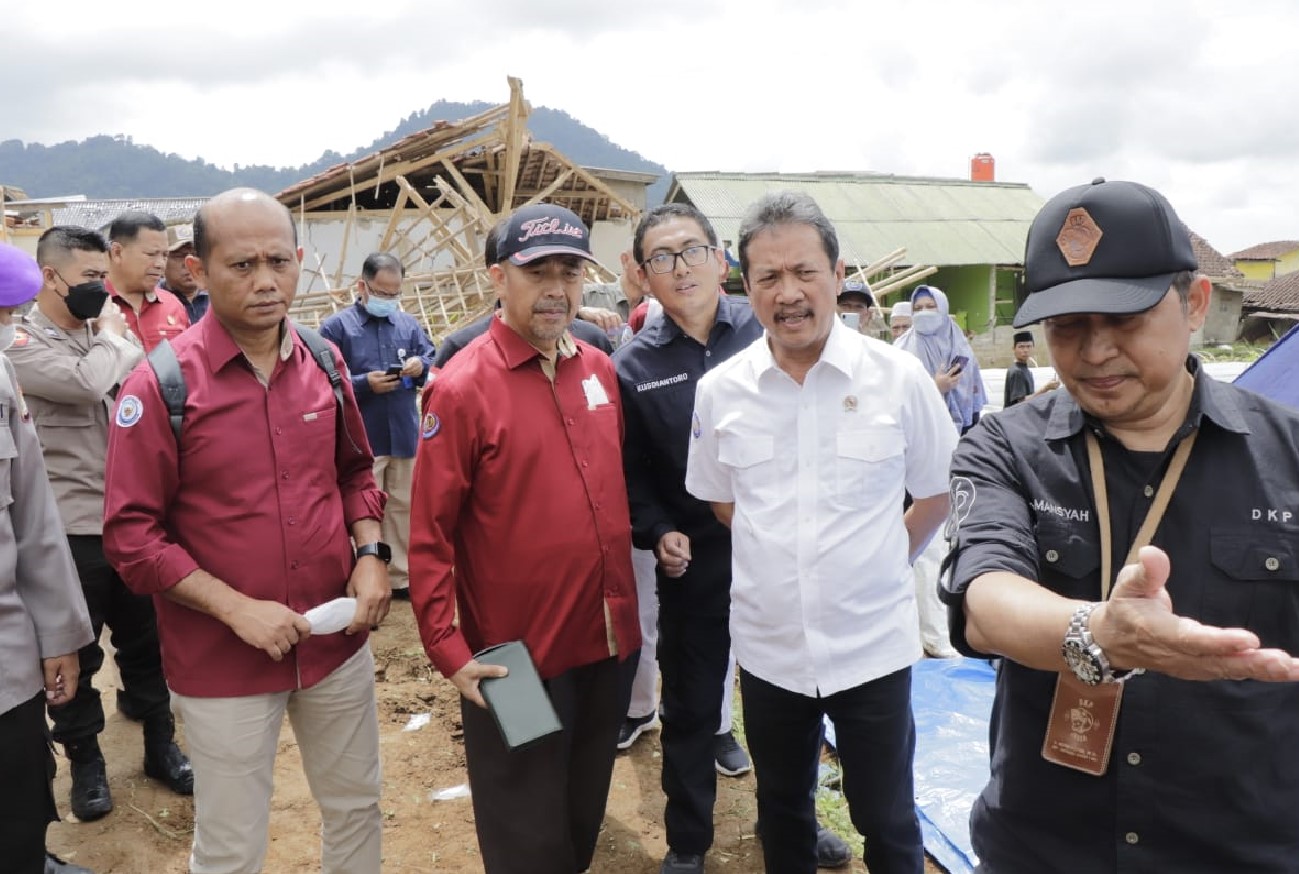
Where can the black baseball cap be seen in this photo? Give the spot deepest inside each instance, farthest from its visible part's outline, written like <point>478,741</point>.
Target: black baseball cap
<point>856,286</point>
<point>541,230</point>
<point>1107,247</point>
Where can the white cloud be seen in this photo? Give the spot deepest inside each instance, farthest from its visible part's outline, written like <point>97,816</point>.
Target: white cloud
<point>1192,97</point>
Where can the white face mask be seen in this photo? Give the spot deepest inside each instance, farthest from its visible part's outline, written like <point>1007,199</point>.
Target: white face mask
<point>7,334</point>
<point>926,321</point>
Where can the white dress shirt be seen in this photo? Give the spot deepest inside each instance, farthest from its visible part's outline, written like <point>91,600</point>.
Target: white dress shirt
<point>822,598</point>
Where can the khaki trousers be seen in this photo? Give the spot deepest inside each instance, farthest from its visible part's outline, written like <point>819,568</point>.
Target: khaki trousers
<point>393,475</point>
<point>232,743</point>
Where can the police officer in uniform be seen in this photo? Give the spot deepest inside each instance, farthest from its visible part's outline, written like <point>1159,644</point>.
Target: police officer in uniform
<point>43,619</point>
<point>71,352</point>
<point>1135,599</point>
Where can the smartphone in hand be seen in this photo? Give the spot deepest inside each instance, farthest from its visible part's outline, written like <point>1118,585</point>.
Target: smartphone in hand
<point>395,370</point>
<point>958,363</point>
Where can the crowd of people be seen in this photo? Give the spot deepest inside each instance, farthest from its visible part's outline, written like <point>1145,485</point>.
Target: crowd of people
<point>662,491</point>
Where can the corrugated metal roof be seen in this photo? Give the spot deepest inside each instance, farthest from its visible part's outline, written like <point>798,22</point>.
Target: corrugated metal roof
<point>99,214</point>
<point>938,221</point>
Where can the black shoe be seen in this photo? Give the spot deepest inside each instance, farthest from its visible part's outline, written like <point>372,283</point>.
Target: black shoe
<point>832,851</point>
<point>165,763</point>
<point>634,727</point>
<point>731,759</point>
<point>91,799</point>
<point>402,594</point>
<point>55,865</point>
<point>682,863</point>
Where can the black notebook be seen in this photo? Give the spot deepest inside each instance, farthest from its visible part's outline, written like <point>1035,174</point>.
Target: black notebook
<point>518,701</point>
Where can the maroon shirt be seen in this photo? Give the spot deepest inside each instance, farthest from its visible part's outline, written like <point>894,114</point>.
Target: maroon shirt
<point>261,497</point>
<point>519,509</point>
<point>161,317</point>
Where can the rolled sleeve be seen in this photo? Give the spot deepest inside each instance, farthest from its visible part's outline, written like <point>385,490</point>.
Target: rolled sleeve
<point>140,481</point>
<point>706,477</point>
<point>990,528</point>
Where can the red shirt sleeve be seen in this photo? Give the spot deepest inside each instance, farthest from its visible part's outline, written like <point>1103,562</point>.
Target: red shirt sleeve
<point>444,468</point>
<point>140,480</point>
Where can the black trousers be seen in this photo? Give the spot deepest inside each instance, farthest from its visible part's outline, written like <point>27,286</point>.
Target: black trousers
<point>27,796</point>
<point>539,810</point>
<point>694,646</point>
<point>876,739</point>
<point>134,628</point>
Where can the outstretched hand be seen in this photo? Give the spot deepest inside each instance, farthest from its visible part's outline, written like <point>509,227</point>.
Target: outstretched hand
<point>1137,628</point>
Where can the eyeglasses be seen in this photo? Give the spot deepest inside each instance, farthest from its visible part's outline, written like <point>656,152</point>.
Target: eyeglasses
<point>666,262</point>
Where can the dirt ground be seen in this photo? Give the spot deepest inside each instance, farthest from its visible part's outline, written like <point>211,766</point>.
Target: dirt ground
<point>149,830</point>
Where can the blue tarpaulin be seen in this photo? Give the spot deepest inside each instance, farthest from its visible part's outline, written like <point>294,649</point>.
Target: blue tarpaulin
<point>1276,374</point>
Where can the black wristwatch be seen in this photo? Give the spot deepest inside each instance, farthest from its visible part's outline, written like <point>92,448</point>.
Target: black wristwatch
<point>379,549</point>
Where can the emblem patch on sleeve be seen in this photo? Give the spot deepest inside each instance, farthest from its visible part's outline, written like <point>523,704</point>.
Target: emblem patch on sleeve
<point>695,427</point>
<point>961,494</point>
<point>129,411</point>
<point>431,426</point>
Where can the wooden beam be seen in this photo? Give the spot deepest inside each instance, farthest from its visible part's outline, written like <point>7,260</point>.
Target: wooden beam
<point>393,220</point>
<point>342,254</point>
<point>516,123</point>
<point>432,216</point>
<point>549,189</point>
<point>594,182</point>
<point>466,189</point>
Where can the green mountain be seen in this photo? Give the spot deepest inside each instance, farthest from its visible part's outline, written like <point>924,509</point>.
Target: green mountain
<point>116,166</point>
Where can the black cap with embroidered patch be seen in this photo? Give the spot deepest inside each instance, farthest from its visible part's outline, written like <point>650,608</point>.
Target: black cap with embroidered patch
<point>540,230</point>
<point>1107,247</point>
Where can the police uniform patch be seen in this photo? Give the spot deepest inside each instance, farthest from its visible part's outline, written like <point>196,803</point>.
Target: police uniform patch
<point>695,427</point>
<point>432,425</point>
<point>129,411</point>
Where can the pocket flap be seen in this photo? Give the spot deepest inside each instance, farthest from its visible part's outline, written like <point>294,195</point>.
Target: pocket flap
<point>1263,552</point>
<point>735,450</point>
<point>874,443</point>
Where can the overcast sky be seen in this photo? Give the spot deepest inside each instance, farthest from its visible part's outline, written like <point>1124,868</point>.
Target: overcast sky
<point>1194,98</point>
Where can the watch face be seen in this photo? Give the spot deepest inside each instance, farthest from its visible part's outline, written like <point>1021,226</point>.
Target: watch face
<point>1081,661</point>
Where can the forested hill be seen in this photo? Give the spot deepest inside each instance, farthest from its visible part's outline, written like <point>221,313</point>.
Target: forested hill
<point>116,166</point>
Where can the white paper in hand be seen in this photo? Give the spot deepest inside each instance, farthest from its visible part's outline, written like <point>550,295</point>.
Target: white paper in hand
<point>332,616</point>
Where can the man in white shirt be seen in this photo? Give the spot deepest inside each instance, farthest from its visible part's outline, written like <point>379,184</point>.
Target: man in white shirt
<point>805,443</point>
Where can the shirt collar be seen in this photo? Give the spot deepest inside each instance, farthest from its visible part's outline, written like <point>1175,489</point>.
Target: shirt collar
<point>664,330</point>
<point>837,352</point>
<point>151,295</point>
<point>222,349</point>
<point>518,351</point>
<point>1210,399</point>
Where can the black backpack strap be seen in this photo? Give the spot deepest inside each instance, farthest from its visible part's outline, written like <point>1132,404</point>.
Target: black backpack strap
<point>323,352</point>
<point>171,382</point>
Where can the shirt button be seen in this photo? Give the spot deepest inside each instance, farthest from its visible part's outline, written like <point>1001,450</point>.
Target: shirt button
<point>1134,759</point>
<point>284,474</point>
<point>293,521</point>
<point>279,431</point>
<point>1272,563</point>
<point>1132,837</point>
<point>1148,491</point>
<point>1052,556</point>
<point>294,565</point>
<point>588,464</point>
<point>569,420</point>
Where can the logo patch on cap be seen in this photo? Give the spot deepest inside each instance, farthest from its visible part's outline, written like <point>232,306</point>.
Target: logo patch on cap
<point>1079,237</point>
<point>129,411</point>
<point>431,426</point>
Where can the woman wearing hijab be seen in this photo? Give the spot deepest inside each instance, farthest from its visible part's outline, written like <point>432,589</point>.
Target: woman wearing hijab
<point>937,341</point>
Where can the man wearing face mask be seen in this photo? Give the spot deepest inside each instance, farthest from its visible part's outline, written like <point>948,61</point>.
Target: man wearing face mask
<point>71,352</point>
<point>389,357</point>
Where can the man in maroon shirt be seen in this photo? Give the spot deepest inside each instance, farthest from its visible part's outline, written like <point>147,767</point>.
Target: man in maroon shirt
<point>137,257</point>
<point>519,517</point>
<point>239,527</point>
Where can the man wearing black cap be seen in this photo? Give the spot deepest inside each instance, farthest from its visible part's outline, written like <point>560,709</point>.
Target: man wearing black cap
<point>1132,597</point>
<point>857,306</point>
<point>1019,379</point>
<point>519,524</point>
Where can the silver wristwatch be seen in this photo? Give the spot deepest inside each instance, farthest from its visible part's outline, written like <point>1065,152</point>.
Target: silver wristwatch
<point>1084,657</point>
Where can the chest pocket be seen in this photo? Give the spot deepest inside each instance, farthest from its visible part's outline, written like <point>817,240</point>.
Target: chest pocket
<point>8,452</point>
<point>1068,558</point>
<point>1262,589</point>
<point>752,460</point>
<point>868,462</point>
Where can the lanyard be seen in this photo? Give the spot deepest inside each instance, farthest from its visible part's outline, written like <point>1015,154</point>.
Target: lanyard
<point>1153,517</point>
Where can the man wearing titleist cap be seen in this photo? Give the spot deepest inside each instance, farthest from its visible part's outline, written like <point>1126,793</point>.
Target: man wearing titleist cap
<point>1134,600</point>
<point>522,432</point>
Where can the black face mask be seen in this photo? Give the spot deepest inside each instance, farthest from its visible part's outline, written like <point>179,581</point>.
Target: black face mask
<point>85,300</point>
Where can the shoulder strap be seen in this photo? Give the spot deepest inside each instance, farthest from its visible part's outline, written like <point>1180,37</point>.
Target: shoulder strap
<point>171,381</point>
<point>323,352</point>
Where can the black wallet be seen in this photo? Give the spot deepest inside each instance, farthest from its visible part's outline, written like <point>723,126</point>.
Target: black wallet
<point>518,701</point>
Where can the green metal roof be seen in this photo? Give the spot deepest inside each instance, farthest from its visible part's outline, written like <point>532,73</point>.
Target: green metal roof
<point>938,221</point>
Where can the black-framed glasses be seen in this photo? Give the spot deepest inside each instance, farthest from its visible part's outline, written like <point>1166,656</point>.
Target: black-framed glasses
<point>666,262</point>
